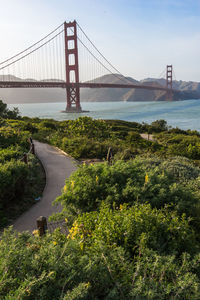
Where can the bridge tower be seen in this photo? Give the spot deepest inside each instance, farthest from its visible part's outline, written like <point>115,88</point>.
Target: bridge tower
<point>71,66</point>
<point>169,94</point>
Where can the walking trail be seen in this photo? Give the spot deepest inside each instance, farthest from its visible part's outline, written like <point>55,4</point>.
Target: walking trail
<point>58,167</point>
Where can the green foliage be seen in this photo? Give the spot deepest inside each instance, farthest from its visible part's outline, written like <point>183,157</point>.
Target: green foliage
<point>7,113</point>
<point>10,136</point>
<point>13,177</point>
<point>160,230</point>
<point>9,153</point>
<point>18,180</point>
<point>86,126</point>
<point>48,124</point>
<point>181,144</point>
<point>29,127</point>
<point>3,107</point>
<point>87,138</point>
<point>54,267</point>
<point>82,147</point>
<point>158,126</point>
<point>129,238</point>
<point>152,180</point>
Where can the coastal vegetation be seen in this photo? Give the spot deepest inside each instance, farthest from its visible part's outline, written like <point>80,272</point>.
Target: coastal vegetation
<point>133,223</point>
<point>85,138</point>
<point>20,183</point>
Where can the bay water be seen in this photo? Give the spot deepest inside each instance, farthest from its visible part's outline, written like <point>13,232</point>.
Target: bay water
<point>182,114</point>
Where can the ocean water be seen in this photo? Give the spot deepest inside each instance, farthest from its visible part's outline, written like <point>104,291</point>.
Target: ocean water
<point>182,114</point>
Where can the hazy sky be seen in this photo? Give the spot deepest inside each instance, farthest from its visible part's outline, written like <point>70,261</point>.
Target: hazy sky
<point>139,37</point>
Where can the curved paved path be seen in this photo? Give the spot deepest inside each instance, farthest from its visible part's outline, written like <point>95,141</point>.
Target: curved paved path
<point>57,167</point>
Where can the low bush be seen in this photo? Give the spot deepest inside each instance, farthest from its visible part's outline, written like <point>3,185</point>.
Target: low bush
<point>54,267</point>
<point>127,227</point>
<point>13,177</point>
<point>10,153</point>
<point>153,180</point>
<point>10,136</point>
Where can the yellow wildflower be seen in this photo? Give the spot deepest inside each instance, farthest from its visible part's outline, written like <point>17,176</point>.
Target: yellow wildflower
<point>65,188</point>
<point>28,291</point>
<point>81,246</point>
<point>97,179</point>
<point>73,231</point>
<point>72,183</point>
<point>35,232</point>
<point>54,242</point>
<point>146,178</point>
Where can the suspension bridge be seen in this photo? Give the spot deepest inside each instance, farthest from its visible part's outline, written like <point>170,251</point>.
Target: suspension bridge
<point>66,58</point>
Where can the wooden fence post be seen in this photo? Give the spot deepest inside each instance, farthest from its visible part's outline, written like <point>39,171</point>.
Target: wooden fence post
<point>109,155</point>
<point>42,225</point>
<point>32,148</point>
<point>25,158</point>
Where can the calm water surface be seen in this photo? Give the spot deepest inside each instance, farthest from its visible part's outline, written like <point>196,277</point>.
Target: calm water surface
<point>182,114</point>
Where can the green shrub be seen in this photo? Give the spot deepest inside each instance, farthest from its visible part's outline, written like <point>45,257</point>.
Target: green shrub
<point>13,176</point>
<point>7,113</point>
<point>160,230</point>
<point>53,267</point>
<point>158,126</point>
<point>48,124</point>
<point>152,180</point>
<point>10,153</point>
<point>82,147</point>
<point>181,144</point>
<point>29,127</point>
<point>10,136</point>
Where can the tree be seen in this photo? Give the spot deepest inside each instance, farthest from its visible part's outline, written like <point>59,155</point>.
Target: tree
<point>7,113</point>
<point>3,108</point>
<point>159,125</point>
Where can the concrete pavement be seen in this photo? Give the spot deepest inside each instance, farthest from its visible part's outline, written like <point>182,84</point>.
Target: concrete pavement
<point>57,167</point>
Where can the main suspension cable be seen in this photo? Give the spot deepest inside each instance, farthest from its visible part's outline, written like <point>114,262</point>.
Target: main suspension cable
<point>124,79</point>
<point>31,45</point>
<point>32,51</point>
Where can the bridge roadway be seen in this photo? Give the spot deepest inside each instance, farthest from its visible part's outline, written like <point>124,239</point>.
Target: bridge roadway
<point>60,84</point>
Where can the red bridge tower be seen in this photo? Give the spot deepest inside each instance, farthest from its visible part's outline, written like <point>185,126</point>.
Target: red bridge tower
<point>71,65</point>
<point>169,94</point>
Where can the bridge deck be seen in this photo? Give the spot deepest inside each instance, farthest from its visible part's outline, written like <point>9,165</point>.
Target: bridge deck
<point>60,84</point>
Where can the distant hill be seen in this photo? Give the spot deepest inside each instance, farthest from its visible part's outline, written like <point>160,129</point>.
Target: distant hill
<point>188,90</point>
<point>179,85</point>
<point>30,95</point>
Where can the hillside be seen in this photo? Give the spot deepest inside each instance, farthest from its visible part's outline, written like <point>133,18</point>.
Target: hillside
<point>188,90</point>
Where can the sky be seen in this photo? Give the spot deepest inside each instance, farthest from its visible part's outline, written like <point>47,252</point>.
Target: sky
<point>139,37</point>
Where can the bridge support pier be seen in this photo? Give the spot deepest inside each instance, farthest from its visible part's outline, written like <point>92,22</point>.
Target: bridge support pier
<point>73,100</point>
